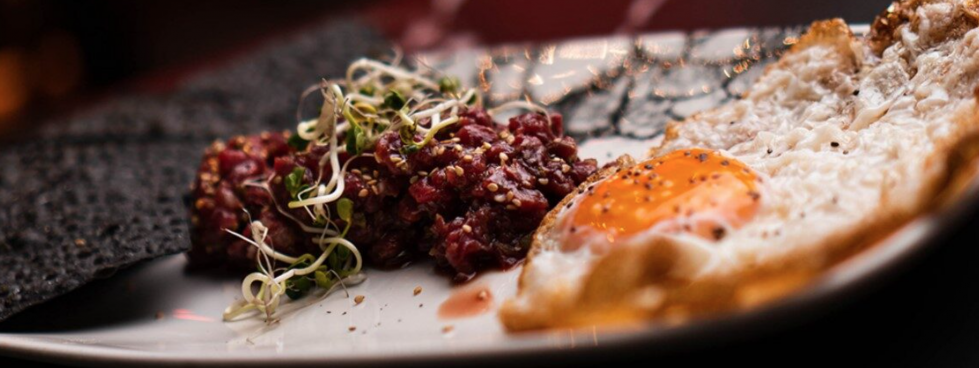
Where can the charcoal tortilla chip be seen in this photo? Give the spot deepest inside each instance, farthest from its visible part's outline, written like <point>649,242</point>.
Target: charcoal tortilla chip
<point>84,196</point>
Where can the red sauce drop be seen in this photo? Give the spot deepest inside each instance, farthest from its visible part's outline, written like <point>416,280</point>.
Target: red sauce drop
<point>467,302</point>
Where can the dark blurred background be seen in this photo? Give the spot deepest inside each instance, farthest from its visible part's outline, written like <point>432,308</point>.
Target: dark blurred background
<point>58,55</point>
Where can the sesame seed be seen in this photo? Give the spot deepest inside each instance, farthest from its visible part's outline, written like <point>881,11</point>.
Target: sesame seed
<point>413,179</point>
<point>504,134</point>
<point>493,187</point>
<point>543,181</point>
<point>352,328</point>
<point>468,158</point>
<point>456,139</point>
<point>447,329</point>
<point>504,157</point>
<point>509,195</point>
<point>423,173</point>
<point>499,198</point>
<point>834,144</point>
<point>355,172</point>
<point>483,294</point>
<point>511,207</point>
<point>486,145</point>
<point>358,299</point>
<point>363,193</point>
<point>467,228</point>
<point>396,159</point>
<point>516,202</point>
<point>565,168</point>
<point>459,171</point>
<point>458,147</point>
<point>418,290</point>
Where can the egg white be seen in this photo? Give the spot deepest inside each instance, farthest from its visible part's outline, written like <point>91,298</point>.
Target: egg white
<point>833,160</point>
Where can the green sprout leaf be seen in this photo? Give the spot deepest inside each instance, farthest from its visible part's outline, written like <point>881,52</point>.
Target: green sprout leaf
<point>297,142</point>
<point>294,181</point>
<point>448,84</point>
<point>335,261</point>
<point>356,140</point>
<point>345,209</point>
<point>297,287</point>
<point>368,90</point>
<point>323,280</point>
<point>394,100</point>
<point>409,149</point>
<point>407,134</point>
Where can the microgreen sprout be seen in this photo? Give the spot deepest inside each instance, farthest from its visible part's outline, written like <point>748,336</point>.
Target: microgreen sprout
<point>372,99</point>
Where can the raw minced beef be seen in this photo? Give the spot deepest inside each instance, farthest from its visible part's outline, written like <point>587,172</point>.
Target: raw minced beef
<point>470,198</point>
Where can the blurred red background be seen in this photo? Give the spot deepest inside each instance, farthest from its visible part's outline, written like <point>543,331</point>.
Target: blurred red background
<point>58,55</point>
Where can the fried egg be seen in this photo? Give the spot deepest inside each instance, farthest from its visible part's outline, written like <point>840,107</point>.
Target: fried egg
<point>833,148</point>
<point>694,191</point>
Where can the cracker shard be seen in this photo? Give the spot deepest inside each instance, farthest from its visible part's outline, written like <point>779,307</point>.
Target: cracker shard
<point>104,189</point>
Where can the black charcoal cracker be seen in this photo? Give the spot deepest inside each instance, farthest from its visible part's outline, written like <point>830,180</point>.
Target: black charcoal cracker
<point>89,194</point>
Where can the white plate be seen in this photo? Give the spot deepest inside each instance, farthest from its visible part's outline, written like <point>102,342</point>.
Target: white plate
<point>157,314</point>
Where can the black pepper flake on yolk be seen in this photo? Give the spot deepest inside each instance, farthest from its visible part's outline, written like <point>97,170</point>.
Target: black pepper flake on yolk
<point>701,190</point>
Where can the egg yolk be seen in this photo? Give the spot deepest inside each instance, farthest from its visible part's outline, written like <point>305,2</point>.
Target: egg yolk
<point>697,191</point>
